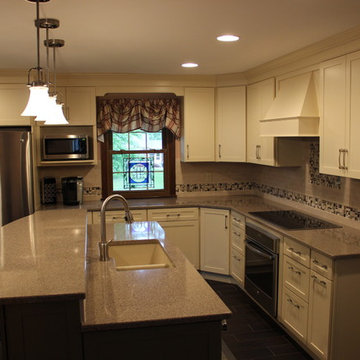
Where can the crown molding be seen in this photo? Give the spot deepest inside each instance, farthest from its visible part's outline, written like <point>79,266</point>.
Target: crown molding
<point>333,46</point>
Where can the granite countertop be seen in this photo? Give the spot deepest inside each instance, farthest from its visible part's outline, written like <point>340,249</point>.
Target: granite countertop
<point>43,256</point>
<point>117,299</point>
<point>335,243</point>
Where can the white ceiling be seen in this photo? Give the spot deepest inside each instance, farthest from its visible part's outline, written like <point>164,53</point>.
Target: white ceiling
<point>156,36</point>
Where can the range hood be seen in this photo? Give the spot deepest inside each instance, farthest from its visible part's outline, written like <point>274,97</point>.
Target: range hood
<point>294,112</point>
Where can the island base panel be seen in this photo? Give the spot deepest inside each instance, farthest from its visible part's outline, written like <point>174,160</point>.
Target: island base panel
<point>199,341</point>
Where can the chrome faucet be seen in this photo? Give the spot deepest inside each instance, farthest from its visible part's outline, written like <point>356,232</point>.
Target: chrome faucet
<point>103,244</point>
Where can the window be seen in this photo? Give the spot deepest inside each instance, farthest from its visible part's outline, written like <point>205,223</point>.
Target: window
<point>139,164</point>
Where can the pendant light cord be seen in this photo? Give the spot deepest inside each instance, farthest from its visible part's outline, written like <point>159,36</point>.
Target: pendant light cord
<point>38,38</point>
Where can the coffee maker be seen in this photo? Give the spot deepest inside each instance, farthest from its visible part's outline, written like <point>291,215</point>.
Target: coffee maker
<point>72,190</point>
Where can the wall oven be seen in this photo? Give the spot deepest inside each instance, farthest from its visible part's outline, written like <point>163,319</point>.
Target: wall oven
<point>65,147</point>
<point>261,266</point>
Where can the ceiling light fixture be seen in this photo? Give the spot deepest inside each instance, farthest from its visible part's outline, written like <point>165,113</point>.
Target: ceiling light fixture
<point>189,65</point>
<point>38,88</point>
<point>228,38</point>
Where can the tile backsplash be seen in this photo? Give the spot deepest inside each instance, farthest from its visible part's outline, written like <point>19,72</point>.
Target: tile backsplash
<point>302,185</point>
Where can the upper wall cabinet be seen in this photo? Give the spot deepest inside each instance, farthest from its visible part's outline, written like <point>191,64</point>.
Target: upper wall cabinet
<point>80,105</point>
<point>13,99</point>
<point>269,150</point>
<point>260,150</point>
<point>231,124</point>
<point>340,116</point>
<point>198,133</point>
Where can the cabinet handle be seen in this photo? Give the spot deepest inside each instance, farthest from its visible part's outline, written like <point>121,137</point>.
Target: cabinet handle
<point>344,152</point>
<point>318,264</point>
<point>219,151</point>
<point>236,233</point>
<point>295,271</point>
<point>319,281</point>
<point>294,251</point>
<point>292,303</point>
<point>226,226</point>
<point>342,164</point>
<point>258,152</point>
<point>187,151</point>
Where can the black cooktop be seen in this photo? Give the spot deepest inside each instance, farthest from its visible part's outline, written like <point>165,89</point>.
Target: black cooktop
<point>293,220</point>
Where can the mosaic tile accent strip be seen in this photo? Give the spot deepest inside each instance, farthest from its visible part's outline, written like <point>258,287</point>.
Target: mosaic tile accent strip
<point>313,201</point>
<point>92,190</point>
<point>182,188</point>
<point>315,177</point>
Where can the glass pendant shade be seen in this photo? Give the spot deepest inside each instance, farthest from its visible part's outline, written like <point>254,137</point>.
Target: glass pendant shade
<point>38,99</point>
<point>56,116</point>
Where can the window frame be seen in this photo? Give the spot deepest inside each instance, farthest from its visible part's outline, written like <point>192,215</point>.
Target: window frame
<point>169,168</point>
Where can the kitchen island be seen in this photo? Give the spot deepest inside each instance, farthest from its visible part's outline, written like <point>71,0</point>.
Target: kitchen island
<point>50,265</point>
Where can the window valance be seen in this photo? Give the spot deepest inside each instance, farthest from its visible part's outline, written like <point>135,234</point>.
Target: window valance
<point>124,115</point>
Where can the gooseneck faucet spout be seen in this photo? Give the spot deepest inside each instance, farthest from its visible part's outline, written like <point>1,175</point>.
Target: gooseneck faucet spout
<point>103,244</point>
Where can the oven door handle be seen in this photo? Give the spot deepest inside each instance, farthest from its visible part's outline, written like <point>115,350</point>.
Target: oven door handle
<point>259,252</point>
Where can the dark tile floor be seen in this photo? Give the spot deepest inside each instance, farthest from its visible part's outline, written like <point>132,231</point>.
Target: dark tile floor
<point>251,334</point>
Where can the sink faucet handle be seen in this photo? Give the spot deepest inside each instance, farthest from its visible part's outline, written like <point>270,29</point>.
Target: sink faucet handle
<point>129,217</point>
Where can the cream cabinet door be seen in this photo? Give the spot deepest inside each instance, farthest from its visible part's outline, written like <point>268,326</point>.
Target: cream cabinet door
<point>333,122</point>
<point>198,138</point>
<point>260,150</point>
<point>295,314</point>
<point>231,124</point>
<point>80,105</point>
<point>13,100</point>
<point>237,266</point>
<point>353,76</point>
<point>319,314</point>
<point>185,235</point>
<point>214,241</point>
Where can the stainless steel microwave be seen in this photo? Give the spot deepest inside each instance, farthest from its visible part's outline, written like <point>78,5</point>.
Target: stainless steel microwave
<point>65,147</point>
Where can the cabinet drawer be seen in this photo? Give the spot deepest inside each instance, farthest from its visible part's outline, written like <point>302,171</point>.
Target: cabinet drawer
<point>237,239</point>
<point>173,214</point>
<point>296,277</point>
<point>237,220</point>
<point>322,264</point>
<point>297,251</point>
<point>295,313</point>
<point>237,266</point>
<point>118,216</point>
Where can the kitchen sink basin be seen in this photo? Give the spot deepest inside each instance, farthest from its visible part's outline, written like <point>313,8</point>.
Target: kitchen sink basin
<point>138,255</point>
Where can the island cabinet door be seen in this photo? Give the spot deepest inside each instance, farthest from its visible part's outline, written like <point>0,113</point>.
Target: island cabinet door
<point>43,331</point>
<point>194,341</point>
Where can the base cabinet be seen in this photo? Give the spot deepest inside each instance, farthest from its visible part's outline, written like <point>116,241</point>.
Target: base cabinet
<point>198,341</point>
<point>42,331</point>
<point>118,216</point>
<point>181,227</point>
<point>214,241</point>
<point>237,252</point>
<point>319,308</point>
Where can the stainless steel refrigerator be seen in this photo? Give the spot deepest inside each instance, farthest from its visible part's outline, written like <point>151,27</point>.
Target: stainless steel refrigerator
<point>16,181</point>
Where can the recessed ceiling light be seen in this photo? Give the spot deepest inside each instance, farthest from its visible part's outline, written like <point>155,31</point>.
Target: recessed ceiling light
<point>189,65</point>
<point>228,38</point>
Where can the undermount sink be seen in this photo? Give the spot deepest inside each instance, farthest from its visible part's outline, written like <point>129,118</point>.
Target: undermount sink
<point>138,255</point>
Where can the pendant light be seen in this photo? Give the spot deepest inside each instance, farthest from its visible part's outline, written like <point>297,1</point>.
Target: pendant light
<point>39,95</point>
<point>57,117</point>
<point>52,113</point>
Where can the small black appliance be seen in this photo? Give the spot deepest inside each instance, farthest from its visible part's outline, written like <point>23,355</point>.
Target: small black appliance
<point>72,190</point>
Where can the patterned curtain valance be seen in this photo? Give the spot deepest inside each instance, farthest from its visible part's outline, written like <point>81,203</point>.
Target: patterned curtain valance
<point>124,115</point>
